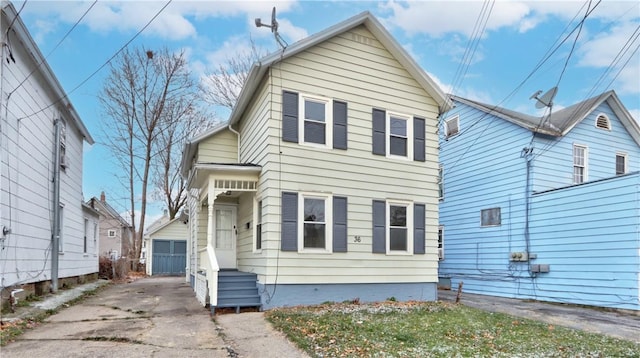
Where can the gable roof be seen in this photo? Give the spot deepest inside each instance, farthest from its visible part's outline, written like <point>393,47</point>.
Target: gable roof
<point>159,225</point>
<point>365,18</point>
<point>564,120</point>
<point>9,12</point>
<point>104,207</point>
<point>191,146</point>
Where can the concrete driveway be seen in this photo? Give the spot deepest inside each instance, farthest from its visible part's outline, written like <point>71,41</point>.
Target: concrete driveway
<point>157,317</point>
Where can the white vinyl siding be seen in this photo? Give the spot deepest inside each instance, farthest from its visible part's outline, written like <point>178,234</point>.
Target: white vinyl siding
<point>366,76</point>
<point>221,148</point>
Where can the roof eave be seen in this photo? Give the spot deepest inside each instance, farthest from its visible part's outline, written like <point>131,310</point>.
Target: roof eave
<point>45,70</point>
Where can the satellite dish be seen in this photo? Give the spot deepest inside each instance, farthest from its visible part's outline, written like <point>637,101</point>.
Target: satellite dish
<point>274,28</point>
<point>546,100</point>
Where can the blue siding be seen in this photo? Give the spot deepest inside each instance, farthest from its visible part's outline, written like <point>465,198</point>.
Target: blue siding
<point>588,234</point>
<point>482,169</point>
<point>282,295</point>
<point>553,165</point>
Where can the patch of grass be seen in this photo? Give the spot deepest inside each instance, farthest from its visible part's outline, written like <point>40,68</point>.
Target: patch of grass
<point>434,329</point>
<point>9,331</point>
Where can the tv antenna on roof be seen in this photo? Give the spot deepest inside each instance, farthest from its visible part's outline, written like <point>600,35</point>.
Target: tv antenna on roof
<point>546,100</point>
<point>273,27</point>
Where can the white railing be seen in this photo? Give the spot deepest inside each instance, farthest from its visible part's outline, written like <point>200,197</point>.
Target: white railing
<point>209,268</point>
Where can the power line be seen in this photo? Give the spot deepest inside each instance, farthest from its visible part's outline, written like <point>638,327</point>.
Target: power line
<point>103,65</point>
<point>54,48</point>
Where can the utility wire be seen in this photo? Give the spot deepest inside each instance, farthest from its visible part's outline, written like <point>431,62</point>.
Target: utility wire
<point>54,48</point>
<point>103,65</point>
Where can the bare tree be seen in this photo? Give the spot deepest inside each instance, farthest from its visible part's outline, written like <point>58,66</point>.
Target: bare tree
<point>222,87</point>
<point>146,98</point>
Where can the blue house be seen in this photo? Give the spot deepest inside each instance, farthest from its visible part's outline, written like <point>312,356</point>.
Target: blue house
<point>542,208</point>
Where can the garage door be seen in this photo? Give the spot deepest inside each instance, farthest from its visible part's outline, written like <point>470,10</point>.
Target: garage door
<point>169,257</point>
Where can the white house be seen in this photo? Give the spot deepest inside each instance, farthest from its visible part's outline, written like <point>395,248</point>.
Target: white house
<point>46,234</point>
<point>323,184</point>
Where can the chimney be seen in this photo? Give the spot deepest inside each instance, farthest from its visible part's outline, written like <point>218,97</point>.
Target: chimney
<point>165,212</point>
<point>103,197</point>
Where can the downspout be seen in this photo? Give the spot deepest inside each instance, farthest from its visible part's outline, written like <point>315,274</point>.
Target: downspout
<point>238,136</point>
<point>55,235</point>
<point>527,154</point>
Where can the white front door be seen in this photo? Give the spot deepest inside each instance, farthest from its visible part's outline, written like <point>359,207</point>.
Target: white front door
<point>225,236</point>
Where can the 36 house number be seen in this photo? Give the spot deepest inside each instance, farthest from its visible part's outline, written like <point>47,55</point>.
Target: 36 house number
<point>357,238</point>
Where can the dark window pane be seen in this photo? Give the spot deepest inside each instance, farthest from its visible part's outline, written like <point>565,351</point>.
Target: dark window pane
<point>258,236</point>
<point>314,111</point>
<point>398,216</point>
<point>398,239</point>
<point>398,146</point>
<point>314,132</point>
<point>398,126</point>
<point>162,247</point>
<point>179,247</point>
<point>490,217</point>
<point>313,210</point>
<point>620,164</point>
<point>314,236</point>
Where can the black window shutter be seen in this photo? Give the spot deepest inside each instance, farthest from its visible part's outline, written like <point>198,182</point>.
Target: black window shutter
<point>339,224</point>
<point>378,119</point>
<point>290,116</point>
<point>379,231</point>
<point>289,230</point>
<point>339,125</point>
<point>418,139</point>
<point>418,228</point>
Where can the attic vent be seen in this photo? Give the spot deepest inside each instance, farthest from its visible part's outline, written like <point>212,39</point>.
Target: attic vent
<point>602,122</point>
<point>452,126</point>
<point>361,39</point>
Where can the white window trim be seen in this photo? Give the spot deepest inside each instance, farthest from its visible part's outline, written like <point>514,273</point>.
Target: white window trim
<point>328,219</point>
<point>608,122</point>
<point>586,163</point>
<point>115,233</point>
<point>409,206</point>
<point>626,162</point>
<point>446,126</point>
<point>257,220</point>
<point>328,140</point>
<point>387,138</point>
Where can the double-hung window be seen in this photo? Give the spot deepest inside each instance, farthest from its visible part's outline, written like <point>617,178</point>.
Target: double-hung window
<point>111,233</point>
<point>621,163</point>
<point>451,126</point>
<point>580,157</point>
<point>313,120</point>
<point>315,214</point>
<point>258,225</point>
<point>398,232</point>
<point>396,135</point>
<point>398,227</point>
<point>400,134</point>
<point>313,222</point>
<point>317,120</point>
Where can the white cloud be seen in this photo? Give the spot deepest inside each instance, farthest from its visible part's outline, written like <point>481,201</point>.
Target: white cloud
<point>635,113</point>
<point>174,23</point>
<point>439,18</point>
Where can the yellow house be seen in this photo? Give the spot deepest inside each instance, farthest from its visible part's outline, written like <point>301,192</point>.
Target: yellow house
<point>323,185</point>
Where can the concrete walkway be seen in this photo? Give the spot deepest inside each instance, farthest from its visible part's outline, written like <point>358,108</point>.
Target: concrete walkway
<point>149,317</point>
